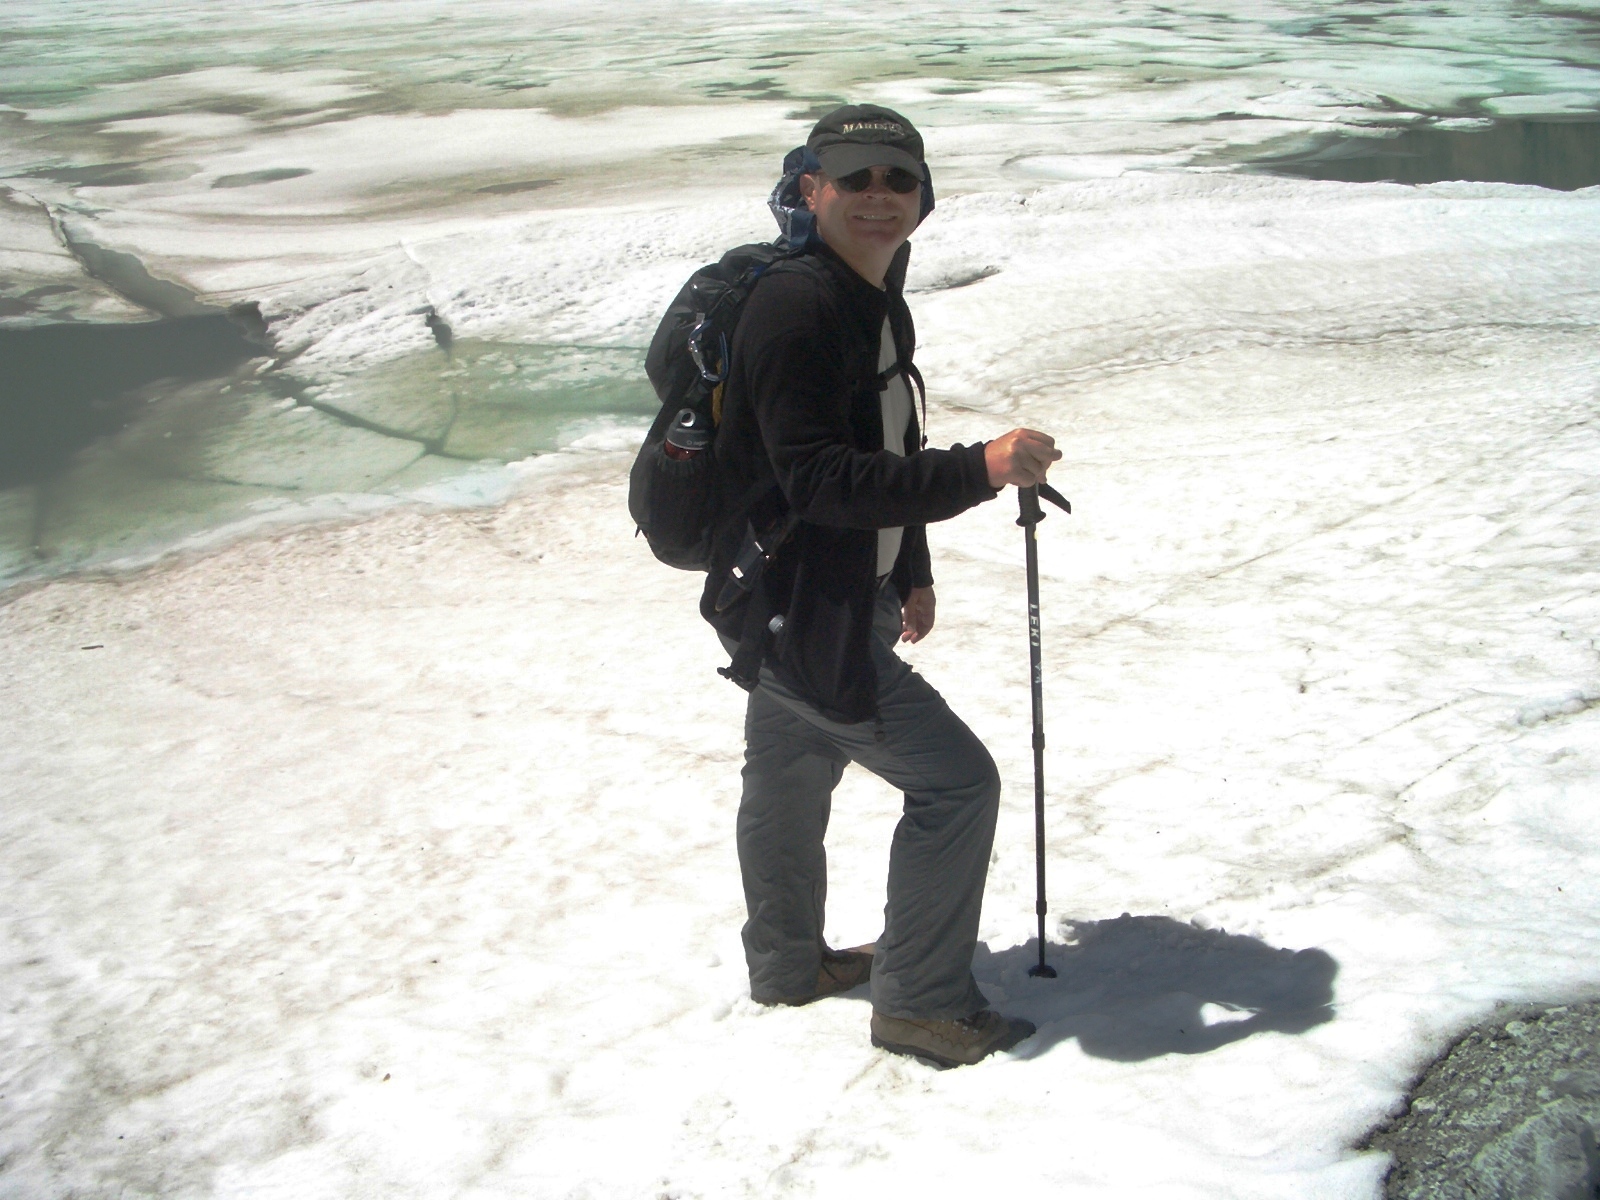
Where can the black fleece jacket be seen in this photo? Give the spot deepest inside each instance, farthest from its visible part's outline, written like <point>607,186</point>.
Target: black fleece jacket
<point>802,432</point>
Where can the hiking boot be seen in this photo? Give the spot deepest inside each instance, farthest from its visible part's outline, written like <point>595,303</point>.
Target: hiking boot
<point>839,971</point>
<point>958,1043</point>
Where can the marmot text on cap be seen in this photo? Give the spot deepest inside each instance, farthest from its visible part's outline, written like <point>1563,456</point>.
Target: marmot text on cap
<point>865,135</point>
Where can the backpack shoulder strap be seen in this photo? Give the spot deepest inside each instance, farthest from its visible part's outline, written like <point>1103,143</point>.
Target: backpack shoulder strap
<point>909,370</point>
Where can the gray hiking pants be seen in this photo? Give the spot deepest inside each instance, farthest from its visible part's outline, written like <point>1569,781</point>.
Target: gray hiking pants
<point>938,860</point>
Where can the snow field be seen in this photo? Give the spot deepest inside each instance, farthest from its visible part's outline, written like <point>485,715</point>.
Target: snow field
<point>396,858</point>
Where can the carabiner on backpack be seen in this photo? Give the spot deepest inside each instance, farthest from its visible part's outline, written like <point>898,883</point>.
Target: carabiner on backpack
<point>698,355</point>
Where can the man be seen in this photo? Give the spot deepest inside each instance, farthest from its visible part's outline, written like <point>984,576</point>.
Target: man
<point>818,418</point>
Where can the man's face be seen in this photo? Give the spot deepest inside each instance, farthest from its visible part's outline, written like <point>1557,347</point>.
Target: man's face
<point>870,224</point>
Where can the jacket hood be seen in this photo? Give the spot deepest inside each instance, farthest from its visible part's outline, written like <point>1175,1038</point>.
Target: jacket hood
<point>797,228</point>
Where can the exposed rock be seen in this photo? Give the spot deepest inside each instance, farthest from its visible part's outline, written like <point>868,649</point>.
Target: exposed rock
<point>1508,1113</point>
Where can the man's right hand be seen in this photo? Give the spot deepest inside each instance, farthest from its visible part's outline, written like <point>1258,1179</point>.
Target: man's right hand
<point>1020,457</point>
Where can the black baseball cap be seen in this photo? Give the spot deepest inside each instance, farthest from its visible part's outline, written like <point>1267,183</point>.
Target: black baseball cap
<point>864,135</point>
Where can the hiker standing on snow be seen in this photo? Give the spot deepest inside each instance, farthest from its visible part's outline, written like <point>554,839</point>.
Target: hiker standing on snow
<point>819,404</point>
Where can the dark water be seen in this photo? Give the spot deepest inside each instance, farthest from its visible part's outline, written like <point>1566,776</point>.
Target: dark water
<point>64,386</point>
<point>119,440</point>
<point>1548,152</point>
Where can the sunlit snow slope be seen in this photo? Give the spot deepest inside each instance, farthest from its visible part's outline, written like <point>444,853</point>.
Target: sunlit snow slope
<point>395,858</point>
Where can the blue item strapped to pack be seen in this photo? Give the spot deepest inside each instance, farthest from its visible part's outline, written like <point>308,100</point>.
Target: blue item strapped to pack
<point>797,227</point>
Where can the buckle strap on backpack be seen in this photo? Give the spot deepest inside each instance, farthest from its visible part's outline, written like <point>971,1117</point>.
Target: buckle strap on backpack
<point>755,553</point>
<point>744,579</point>
<point>745,666</point>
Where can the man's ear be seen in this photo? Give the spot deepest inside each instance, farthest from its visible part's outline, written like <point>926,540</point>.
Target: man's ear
<point>808,191</point>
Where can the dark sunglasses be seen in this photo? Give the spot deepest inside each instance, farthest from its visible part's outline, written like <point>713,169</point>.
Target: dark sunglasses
<point>896,179</point>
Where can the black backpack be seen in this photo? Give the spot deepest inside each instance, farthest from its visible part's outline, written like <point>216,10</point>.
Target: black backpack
<point>672,488</point>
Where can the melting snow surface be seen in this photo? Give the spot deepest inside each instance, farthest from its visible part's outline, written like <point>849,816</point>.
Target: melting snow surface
<point>393,856</point>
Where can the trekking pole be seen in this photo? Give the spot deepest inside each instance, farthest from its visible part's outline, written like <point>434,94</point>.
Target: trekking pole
<point>1032,514</point>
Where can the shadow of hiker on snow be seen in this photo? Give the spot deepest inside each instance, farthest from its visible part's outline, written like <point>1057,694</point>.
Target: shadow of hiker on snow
<point>1138,987</point>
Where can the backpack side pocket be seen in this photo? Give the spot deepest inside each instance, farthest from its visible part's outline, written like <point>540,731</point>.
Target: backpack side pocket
<point>680,502</point>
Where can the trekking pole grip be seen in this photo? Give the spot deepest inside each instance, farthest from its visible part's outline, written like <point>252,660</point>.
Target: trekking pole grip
<point>1028,503</point>
<point>1029,512</point>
